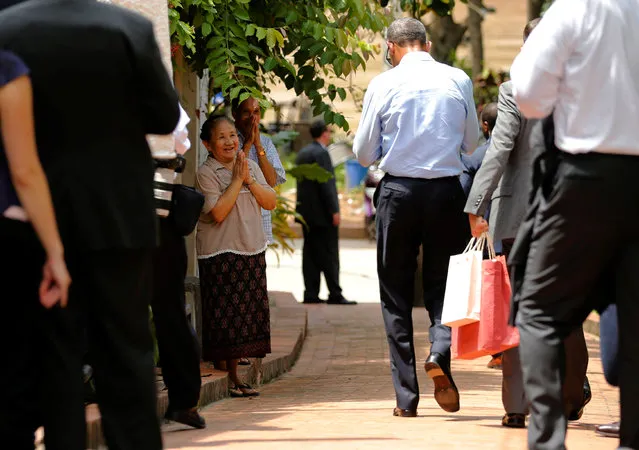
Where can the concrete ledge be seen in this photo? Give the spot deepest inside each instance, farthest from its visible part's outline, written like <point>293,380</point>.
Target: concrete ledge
<point>346,230</point>
<point>288,331</point>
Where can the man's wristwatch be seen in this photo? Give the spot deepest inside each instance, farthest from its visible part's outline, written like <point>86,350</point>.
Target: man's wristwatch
<point>253,180</point>
<point>260,151</point>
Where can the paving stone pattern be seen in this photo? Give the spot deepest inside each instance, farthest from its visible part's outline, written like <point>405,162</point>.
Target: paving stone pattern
<point>339,395</point>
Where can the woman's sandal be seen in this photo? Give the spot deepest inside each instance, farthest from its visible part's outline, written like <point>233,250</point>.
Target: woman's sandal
<point>243,390</point>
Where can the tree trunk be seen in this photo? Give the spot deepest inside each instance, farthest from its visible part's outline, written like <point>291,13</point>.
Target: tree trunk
<point>476,38</point>
<point>534,8</point>
<point>446,36</point>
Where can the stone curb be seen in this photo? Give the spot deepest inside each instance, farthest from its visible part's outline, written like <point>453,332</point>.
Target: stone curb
<point>289,323</point>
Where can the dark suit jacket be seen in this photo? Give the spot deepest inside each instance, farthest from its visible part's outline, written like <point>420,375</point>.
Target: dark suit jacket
<point>99,87</point>
<point>505,176</point>
<point>317,202</point>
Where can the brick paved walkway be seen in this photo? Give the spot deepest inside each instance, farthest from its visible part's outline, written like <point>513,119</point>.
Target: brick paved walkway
<point>339,396</point>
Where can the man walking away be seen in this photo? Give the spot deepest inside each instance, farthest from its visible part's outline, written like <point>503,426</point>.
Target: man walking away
<point>100,171</point>
<point>318,204</point>
<point>417,126</point>
<point>580,245</point>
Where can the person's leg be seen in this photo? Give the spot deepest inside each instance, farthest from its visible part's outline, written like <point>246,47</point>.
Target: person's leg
<point>609,343</point>
<point>178,346</point>
<point>397,248</point>
<point>331,263</point>
<point>446,233</point>
<point>121,346</point>
<point>64,348</point>
<point>20,340</point>
<point>313,246</point>
<point>575,381</point>
<point>568,257</point>
<point>627,293</point>
<point>513,395</point>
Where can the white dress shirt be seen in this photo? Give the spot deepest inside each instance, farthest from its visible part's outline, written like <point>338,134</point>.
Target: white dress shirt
<point>582,61</point>
<point>418,117</point>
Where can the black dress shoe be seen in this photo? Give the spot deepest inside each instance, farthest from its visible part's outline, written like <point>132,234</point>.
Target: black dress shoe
<point>446,393</point>
<point>608,430</point>
<point>188,417</point>
<point>340,301</point>
<point>314,301</point>
<point>398,412</point>
<point>514,420</point>
<point>576,415</point>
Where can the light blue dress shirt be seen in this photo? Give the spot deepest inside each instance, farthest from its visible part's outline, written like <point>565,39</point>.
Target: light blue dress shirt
<point>274,158</point>
<point>418,118</point>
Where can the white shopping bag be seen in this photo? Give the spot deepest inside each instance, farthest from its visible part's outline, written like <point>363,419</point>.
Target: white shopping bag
<point>463,285</point>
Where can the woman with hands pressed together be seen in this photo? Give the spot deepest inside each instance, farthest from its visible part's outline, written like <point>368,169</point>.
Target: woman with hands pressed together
<point>231,247</point>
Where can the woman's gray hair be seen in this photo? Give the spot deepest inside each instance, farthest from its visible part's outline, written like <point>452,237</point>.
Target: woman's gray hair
<point>406,30</point>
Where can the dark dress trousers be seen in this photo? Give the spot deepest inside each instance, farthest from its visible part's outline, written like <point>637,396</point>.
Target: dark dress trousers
<point>316,203</point>
<point>563,265</point>
<point>177,343</point>
<point>99,87</point>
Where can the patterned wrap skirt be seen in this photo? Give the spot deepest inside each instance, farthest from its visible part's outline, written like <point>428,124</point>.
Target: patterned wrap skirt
<point>236,321</point>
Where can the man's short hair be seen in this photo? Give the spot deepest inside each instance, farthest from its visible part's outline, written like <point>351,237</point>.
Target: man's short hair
<point>489,115</point>
<point>530,26</point>
<point>406,30</point>
<point>318,128</point>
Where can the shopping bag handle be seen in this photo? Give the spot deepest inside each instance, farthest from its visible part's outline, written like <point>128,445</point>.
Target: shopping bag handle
<point>491,246</point>
<point>476,244</point>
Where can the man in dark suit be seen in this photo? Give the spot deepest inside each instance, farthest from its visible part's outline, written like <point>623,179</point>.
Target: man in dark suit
<point>99,88</point>
<point>506,177</point>
<point>317,203</point>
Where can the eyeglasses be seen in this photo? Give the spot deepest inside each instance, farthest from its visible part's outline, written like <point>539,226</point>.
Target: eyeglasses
<point>387,56</point>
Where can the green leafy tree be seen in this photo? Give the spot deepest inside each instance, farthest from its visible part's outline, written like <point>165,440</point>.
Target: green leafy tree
<point>305,44</point>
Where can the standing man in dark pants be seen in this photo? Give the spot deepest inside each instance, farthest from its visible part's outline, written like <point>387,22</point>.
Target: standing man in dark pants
<point>579,245</point>
<point>178,347</point>
<point>418,125</point>
<point>317,203</point>
<point>100,173</point>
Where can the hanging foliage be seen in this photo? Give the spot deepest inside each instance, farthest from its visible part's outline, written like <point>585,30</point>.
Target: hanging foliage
<point>305,44</point>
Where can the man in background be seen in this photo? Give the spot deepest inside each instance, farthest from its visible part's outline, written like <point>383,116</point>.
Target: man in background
<point>318,205</point>
<point>418,126</point>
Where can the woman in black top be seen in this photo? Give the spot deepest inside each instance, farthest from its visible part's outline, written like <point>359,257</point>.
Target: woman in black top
<point>33,272</point>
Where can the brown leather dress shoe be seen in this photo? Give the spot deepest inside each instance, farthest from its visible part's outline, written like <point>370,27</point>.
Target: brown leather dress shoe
<point>608,430</point>
<point>446,394</point>
<point>398,412</point>
<point>514,420</point>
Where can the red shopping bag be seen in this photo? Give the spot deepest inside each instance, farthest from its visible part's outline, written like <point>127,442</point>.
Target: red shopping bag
<point>491,334</point>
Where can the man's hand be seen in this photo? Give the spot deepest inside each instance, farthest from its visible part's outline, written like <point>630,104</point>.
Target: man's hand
<point>336,220</point>
<point>55,283</point>
<point>478,225</point>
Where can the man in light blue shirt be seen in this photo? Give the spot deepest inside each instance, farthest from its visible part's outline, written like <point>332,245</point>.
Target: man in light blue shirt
<point>417,118</point>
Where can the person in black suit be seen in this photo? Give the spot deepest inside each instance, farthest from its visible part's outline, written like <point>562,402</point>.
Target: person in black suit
<point>318,205</point>
<point>99,88</point>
